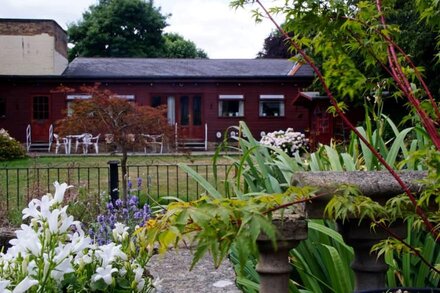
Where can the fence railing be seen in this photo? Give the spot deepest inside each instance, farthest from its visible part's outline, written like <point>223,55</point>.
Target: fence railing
<point>150,182</point>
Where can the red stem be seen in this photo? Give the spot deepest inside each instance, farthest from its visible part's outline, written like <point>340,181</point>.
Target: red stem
<point>403,83</point>
<point>333,101</point>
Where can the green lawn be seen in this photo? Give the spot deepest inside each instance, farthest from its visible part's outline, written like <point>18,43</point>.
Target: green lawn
<point>101,161</point>
<point>23,180</point>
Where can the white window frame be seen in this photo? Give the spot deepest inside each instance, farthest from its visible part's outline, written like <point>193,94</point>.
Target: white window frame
<point>231,98</point>
<point>71,98</point>
<point>272,98</point>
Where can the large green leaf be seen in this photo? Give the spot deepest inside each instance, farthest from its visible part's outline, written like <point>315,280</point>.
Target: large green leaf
<point>211,190</point>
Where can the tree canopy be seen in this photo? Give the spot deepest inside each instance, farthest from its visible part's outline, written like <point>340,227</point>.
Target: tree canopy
<point>177,47</point>
<point>331,34</point>
<point>127,28</point>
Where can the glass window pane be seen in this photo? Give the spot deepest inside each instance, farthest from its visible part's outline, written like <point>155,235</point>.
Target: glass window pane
<point>184,110</point>
<point>271,108</point>
<point>41,107</point>
<point>156,101</point>
<point>233,108</point>
<point>197,110</point>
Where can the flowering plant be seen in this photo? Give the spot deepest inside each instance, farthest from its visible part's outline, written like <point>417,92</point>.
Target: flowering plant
<point>53,254</point>
<point>289,141</point>
<point>127,213</point>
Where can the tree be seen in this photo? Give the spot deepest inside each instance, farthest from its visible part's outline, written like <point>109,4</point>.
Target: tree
<point>118,28</point>
<point>275,46</point>
<point>177,47</point>
<point>105,113</point>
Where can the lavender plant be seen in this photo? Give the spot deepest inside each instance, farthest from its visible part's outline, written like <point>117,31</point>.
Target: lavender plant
<point>128,213</point>
<point>289,141</point>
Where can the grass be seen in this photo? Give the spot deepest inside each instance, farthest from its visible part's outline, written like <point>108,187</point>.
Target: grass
<point>101,161</point>
<point>22,180</point>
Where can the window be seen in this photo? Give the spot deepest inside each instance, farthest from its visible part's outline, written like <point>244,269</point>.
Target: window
<point>71,98</point>
<point>41,107</point>
<point>2,107</point>
<point>156,101</point>
<point>271,106</point>
<point>231,106</point>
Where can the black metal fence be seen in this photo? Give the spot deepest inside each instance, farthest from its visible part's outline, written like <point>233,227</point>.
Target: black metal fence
<point>150,182</point>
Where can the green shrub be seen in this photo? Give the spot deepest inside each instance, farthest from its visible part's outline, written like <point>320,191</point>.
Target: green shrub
<point>10,149</point>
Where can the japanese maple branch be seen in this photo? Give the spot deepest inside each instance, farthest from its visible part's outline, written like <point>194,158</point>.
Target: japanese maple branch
<point>413,250</point>
<point>403,83</point>
<point>333,101</point>
<point>410,63</point>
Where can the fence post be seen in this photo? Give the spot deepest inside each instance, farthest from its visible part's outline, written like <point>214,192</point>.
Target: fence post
<point>113,180</point>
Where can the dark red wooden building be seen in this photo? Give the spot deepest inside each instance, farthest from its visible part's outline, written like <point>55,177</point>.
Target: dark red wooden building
<point>203,96</point>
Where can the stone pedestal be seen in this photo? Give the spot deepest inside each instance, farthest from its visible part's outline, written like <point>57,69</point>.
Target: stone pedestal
<point>273,265</point>
<point>369,269</point>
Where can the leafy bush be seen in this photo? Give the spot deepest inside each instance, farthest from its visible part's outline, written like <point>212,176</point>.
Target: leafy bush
<point>10,149</point>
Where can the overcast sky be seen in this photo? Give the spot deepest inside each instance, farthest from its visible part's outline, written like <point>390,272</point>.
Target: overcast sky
<point>216,28</point>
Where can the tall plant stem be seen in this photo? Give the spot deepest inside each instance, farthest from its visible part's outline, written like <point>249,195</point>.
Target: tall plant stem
<point>333,101</point>
<point>404,84</point>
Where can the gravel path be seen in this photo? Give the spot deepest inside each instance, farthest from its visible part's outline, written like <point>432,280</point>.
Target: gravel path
<point>173,271</point>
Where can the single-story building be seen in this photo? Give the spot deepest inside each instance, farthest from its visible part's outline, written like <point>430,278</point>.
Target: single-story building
<point>203,96</point>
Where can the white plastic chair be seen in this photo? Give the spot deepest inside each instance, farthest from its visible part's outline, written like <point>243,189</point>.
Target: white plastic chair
<point>153,140</point>
<point>59,142</point>
<point>89,140</point>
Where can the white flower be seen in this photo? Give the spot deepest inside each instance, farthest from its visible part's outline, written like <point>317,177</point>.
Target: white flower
<point>105,274</point>
<point>3,285</point>
<point>31,210</point>
<point>60,189</point>
<point>61,269</point>
<point>109,252</point>
<point>120,232</point>
<point>24,285</point>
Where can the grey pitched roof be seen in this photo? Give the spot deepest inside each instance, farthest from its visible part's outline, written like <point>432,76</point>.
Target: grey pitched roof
<point>182,68</point>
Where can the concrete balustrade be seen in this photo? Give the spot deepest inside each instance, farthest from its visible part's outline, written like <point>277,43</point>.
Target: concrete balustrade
<point>274,267</point>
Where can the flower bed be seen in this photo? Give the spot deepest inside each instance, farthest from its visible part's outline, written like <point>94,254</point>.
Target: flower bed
<point>52,253</point>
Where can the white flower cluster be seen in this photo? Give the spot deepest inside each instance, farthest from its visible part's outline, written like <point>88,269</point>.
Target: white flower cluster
<point>4,133</point>
<point>54,247</point>
<point>289,141</point>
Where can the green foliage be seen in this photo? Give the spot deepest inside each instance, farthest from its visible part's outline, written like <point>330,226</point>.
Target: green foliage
<point>177,47</point>
<point>118,28</point>
<point>214,224</point>
<point>10,149</point>
<point>127,28</point>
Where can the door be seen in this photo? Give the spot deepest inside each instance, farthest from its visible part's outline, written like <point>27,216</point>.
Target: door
<point>322,128</point>
<point>190,116</point>
<point>40,118</point>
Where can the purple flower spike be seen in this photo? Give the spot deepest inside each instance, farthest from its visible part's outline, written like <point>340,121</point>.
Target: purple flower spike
<point>139,182</point>
<point>129,184</point>
<point>137,215</point>
<point>119,203</point>
<point>110,206</point>
<point>133,201</point>
<point>101,219</point>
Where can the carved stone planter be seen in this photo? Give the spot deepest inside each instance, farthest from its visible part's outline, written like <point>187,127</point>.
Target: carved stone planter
<point>273,265</point>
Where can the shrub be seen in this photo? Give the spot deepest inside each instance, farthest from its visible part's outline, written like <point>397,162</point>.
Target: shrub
<point>289,141</point>
<point>10,149</point>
